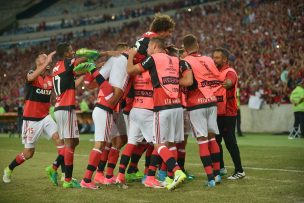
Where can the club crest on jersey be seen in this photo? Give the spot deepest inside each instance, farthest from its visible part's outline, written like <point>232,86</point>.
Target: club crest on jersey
<point>49,83</point>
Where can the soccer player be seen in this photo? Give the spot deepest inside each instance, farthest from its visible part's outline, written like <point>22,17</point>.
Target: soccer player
<point>227,112</point>
<point>199,75</point>
<point>109,125</point>
<point>162,26</point>
<point>168,116</point>
<point>65,115</point>
<point>36,118</point>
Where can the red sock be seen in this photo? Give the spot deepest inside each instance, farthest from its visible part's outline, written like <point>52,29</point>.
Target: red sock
<point>168,158</point>
<point>68,162</point>
<point>215,156</point>
<point>93,162</point>
<point>20,158</point>
<point>163,166</point>
<point>103,159</point>
<point>173,150</point>
<point>112,161</point>
<point>125,157</point>
<point>60,158</point>
<point>136,155</point>
<point>149,151</point>
<point>155,160</point>
<point>181,154</point>
<point>206,159</point>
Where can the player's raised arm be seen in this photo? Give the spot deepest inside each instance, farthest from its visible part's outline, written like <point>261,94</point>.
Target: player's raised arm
<point>42,61</point>
<point>131,68</point>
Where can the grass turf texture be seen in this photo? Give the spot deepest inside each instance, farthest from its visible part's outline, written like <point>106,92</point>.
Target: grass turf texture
<point>274,169</point>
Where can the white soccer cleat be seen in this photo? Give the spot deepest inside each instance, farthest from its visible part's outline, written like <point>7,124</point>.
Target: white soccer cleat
<point>7,175</point>
<point>236,176</point>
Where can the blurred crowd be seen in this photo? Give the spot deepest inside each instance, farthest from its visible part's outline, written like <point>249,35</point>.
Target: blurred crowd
<point>83,20</point>
<point>266,38</point>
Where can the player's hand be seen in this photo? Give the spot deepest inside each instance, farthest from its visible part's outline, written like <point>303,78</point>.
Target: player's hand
<point>88,53</point>
<point>85,67</point>
<point>50,57</point>
<point>132,52</point>
<point>227,84</point>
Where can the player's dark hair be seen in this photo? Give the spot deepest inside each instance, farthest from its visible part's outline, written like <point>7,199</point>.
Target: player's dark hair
<point>62,48</point>
<point>121,46</point>
<point>161,42</point>
<point>189,42</point>
<point>162,23</point>
<point>172,50</point>
<point>224,51</point>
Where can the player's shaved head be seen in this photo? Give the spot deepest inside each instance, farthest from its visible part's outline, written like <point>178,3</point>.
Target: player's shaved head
<point>162,23</point>
<point>160,42</point>
<point>190,43</point>
<point>62,48</point>
<point>121,46</point>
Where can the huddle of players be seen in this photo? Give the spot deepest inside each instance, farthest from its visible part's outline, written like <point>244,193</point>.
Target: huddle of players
<point>139,96</point>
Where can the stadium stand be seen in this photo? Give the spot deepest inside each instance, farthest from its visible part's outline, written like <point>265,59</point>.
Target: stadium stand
<point>266,40</point>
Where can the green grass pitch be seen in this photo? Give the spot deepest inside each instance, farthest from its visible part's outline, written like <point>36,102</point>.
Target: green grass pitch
<point>274,167</point>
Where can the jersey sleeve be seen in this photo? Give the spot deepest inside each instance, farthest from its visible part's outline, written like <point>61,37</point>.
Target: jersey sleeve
<point>106,68</point>
<point>184,66</point>
<point>148,64</point>
<point>231,76</point>
<point>118,75</point>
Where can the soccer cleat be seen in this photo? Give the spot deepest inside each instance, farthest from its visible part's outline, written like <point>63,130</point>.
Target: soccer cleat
<point>152,183</point>
<point>88,53</point>
<point>236,176</point>
<point>7,175</point>
<point>218,179</point>
<point>211,183</point>
<point>72,184</point>
<point>62,177</point>
<point>223,171</point>
<point>179,177</point>
<point>84,67</point>
<point>99,178</point>
<point>109,181</point>
<point>167,181</point>
<point>161,176</point>
<point>52,174</point>
<point>143,179</point>
<point>189,176</point>
<point>89,185</point>
<point>131,177</point>
<point>120,179</point>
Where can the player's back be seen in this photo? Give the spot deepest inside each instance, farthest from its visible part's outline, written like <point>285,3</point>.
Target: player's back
<point>64,84</point>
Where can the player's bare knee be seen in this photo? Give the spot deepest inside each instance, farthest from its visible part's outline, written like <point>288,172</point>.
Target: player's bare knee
<point>202,139</point>
<point>211,135</point>
<point>99,145</point>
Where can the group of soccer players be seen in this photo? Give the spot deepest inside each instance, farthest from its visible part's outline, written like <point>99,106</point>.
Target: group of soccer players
<point>145,95</point>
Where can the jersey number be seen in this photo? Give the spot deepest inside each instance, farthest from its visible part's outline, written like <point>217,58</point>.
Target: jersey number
<point>56,82</point>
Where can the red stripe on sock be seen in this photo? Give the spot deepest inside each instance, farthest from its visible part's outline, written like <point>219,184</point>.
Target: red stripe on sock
<point>20,158</point>
<point>204,152</point>
<point>68,156</point>
<point>214,149</point>
<point>112,159</point>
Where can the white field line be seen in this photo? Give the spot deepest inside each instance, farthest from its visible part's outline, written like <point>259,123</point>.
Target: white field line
<point>192,164</point>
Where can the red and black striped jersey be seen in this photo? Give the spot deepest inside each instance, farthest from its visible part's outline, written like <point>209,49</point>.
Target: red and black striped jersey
<point>64,84</point>
<point>37,99</point>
